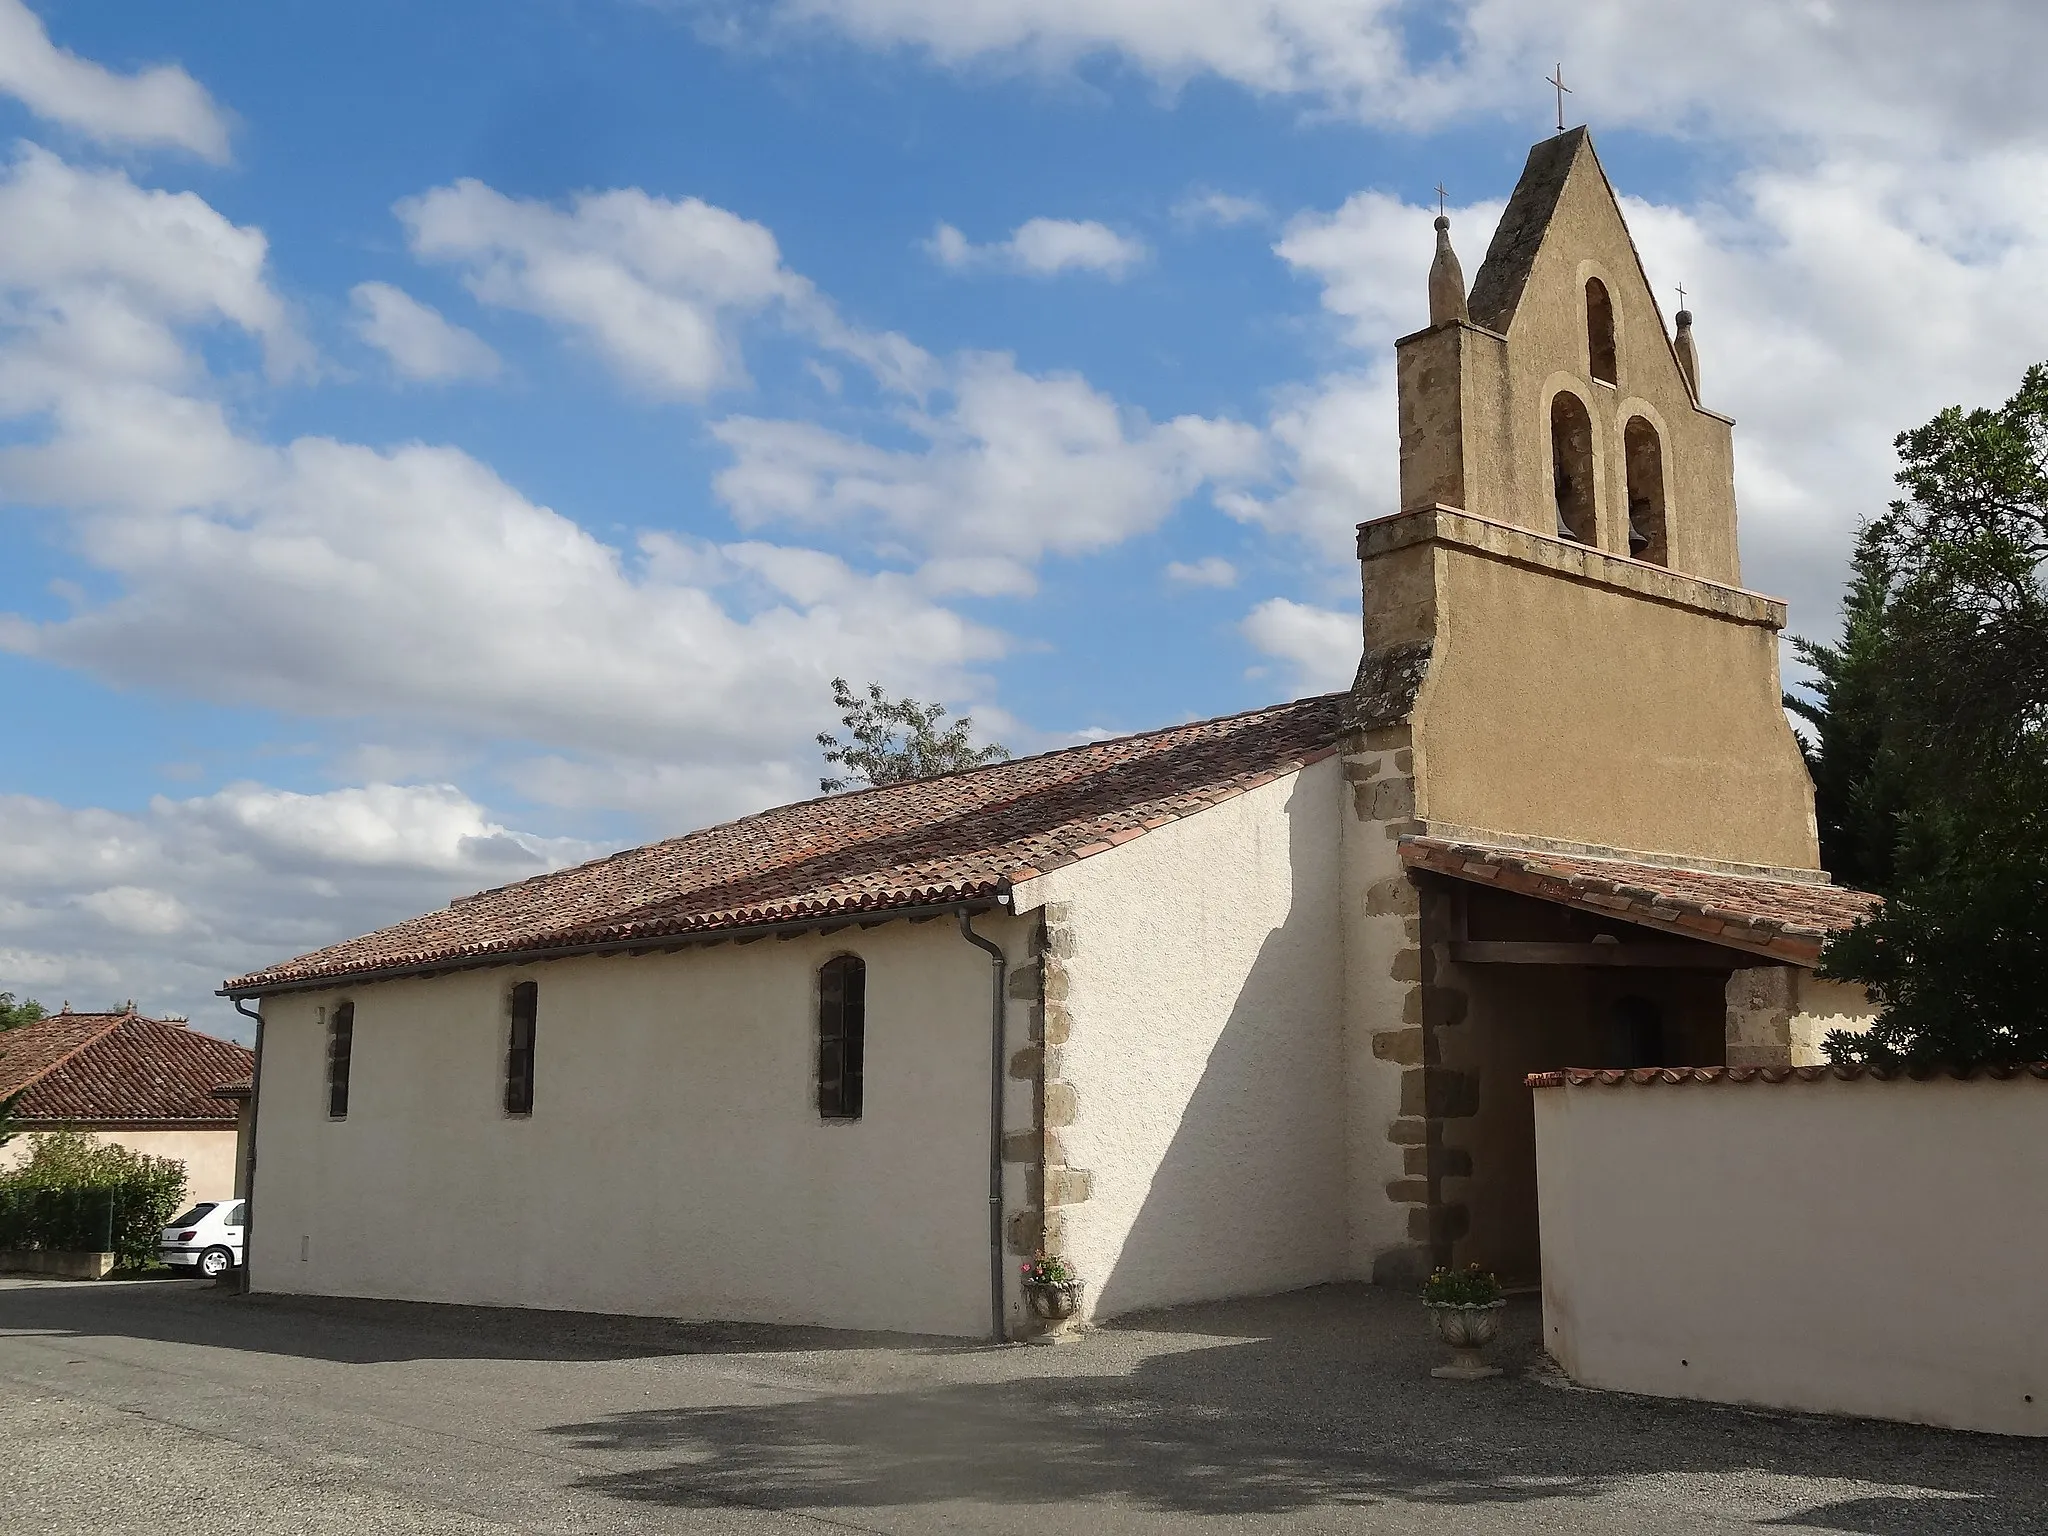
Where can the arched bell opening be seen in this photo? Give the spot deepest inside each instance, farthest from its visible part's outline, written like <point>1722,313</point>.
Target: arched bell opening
<point>1643,454</point>
<point>1599,331</point>
<point>1571,468</point>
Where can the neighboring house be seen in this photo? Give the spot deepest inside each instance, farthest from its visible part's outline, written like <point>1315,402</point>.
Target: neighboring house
<point>1229,1007</point>
<point>144,1083</point>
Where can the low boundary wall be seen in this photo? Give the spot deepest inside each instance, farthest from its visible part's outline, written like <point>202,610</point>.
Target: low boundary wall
<point>1832,1240</point>
<point>65,1265</point>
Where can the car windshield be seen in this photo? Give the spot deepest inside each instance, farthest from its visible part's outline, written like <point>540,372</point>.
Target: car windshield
<point>197,1213</point>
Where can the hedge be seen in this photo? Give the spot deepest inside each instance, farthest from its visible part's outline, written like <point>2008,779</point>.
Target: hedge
<point>77,1194</point>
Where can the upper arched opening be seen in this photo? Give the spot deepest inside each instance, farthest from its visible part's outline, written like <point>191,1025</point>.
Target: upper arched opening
<point>1599,331</point>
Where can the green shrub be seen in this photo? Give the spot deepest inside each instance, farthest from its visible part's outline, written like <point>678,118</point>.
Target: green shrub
<point>74,1193</point>
<point>1468,1287</point>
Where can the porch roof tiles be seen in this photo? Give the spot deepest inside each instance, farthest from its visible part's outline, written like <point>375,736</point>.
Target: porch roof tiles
<point>1778,919</point>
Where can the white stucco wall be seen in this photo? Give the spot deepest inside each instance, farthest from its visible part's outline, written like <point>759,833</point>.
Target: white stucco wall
<point>674,1163</point>
<point>208,1155</point>
<point>1205,992</point>
<point>1847,1247</point>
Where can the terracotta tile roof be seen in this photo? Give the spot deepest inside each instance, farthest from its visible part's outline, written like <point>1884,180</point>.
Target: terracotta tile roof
<point>1782,919</point>
<point>107,1068</point>
<point>1580,1077</point>
<point>959,836</point>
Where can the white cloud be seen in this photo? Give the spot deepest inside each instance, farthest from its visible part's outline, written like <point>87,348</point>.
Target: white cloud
<point>656,287</point>
<point>99,906</point>
<point>1884,71</point>
<point>158,106</point>
<point>95,272</point>
<point>1209,571</point>
<point>407,585</point>
<point>1042,248</point>
<point>1319,645</point>
<point>421,343</point>
<point>1220,209</point>
<point>329,578</point>
<point>1017,467</point>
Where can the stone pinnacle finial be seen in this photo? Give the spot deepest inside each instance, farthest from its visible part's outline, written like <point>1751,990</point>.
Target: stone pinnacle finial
<point>1446,280</point>
<point>1688,354</point>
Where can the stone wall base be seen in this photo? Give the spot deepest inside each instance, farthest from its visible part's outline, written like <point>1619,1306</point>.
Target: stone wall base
<point>68,1266</point>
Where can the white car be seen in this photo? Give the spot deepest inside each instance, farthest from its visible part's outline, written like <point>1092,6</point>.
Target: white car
<point>207,1238</point>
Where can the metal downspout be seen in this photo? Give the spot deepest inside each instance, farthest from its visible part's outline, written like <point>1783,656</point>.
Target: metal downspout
<point>249,1172</point>
<point>998,964</point>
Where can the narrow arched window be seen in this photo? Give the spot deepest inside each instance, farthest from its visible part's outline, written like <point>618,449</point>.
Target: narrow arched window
<point>341,1047</point>
<point>842,1036</point>
<point>1644,455</point>
<point>525,1011</point>
<point>1599,331</point>
<point>1571,467</point>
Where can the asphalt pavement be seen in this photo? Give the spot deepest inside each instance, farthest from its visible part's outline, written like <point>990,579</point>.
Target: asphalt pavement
<point>160,1406</point>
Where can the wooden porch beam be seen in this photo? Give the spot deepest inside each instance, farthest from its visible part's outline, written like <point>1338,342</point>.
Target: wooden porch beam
<point>1678,956</point>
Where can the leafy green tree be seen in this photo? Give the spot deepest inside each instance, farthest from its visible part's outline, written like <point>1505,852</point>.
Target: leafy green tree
<point>13,1014</point>
<point>891,740</point>
<point>9,1126</point>
<point>1956,667</point>
<point>1857,796</point>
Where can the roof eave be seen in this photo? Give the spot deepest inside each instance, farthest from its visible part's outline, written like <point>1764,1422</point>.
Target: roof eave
<point>685,939</point>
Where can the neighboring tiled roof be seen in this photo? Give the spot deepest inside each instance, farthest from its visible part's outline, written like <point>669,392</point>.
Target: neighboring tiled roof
<point>238,1090</point>
<point>105,1068</point>
<point>1580,1077</point>
<point>959,836</point>
<point>1782,919</point>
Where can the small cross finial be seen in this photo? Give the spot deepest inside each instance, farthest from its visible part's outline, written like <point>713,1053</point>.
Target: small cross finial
<point>1563,91</point>
<point>1681,295</point>
<point>1440,196</point>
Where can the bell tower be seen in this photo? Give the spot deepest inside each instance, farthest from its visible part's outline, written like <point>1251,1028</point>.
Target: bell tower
<point>1553,398</point>
<point>1554,626</point>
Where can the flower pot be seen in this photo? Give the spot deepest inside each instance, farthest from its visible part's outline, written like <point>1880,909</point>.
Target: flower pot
<point>1054,1302</point>
<point>1468,1328</point>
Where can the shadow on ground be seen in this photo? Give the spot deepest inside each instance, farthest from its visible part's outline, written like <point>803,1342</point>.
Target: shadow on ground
<point>365,1332</point>
<point>1330,1406</point>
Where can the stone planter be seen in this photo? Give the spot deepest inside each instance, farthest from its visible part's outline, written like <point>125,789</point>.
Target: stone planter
<point>1055,1303</point>
<point>1468,1328</point>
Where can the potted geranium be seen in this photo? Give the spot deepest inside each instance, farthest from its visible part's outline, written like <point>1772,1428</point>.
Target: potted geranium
<point>1465,1306</point>
<point>1051,1289</point>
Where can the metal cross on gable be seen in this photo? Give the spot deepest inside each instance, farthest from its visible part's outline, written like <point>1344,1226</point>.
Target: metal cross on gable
<point>1440,196</point>
<point>1563,91</point>
<point>1681,295</point>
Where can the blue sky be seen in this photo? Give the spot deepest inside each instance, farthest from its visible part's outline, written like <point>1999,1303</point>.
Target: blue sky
<point>438,442</point>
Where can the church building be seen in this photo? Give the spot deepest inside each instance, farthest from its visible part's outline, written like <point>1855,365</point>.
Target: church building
<point>1226,1008</point>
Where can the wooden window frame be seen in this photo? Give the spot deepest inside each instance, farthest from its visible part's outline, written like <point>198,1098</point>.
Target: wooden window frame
<point>842,1037</point>
<point>341,1048</point>
<point>522,1006</point>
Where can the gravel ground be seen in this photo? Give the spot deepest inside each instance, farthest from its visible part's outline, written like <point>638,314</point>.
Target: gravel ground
<point>170,1405</point>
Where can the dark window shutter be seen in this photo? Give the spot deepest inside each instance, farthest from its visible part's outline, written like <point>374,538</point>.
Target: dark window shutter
<point>842,1036</point>
<point>519,1053</point>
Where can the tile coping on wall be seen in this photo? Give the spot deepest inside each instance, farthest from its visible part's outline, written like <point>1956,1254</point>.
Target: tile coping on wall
<point>1848,1072</point>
